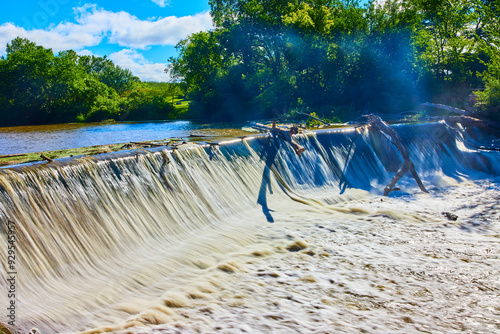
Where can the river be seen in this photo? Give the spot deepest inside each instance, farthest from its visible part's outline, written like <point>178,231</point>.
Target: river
<point>248,237</point>
<point>41,138</point>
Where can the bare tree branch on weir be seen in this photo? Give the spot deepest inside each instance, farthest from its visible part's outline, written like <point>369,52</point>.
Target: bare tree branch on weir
<point>378,124</point>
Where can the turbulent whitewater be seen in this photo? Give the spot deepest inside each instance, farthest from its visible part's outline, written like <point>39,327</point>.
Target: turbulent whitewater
<point>247,237</point>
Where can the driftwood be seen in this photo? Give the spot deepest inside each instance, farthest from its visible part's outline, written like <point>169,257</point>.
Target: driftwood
<point>198,136</point>
<point>46,158</point>
<point>488,126</point>
<point>147,144</point>
<point>444,107</point>
<point>377,123</point>
<point>286,135</point>
<point>261,127</point>
<point>468,123</point>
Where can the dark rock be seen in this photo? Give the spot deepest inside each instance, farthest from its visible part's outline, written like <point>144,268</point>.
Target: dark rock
<point>450,215</point>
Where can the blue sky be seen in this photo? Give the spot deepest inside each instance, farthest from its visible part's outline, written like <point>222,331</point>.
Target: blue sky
<point>136,34</point>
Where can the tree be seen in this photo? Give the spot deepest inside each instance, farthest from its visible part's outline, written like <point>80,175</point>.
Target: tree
<point>108,73</point>
<point>267,57</point>
<point>489,98</point>
<point>25,82</point>
<point>449,38</point>
<point>38,87</point>
<point>200,62</point>
<point>150,101</point>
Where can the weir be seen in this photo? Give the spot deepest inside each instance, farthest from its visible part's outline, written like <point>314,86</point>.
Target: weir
<point>100,240</point>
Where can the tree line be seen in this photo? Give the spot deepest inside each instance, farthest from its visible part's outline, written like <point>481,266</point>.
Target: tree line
<point>40,87</point>
<point>269,58</point>
<point>338,58</point>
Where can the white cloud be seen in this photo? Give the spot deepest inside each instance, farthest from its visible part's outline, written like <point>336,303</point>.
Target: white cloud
<point>85,52</point>
<point>127,30</point>
<point>62,37</point>
<point>94,24</point>
<point>161,3</point>
<point>140,66</point>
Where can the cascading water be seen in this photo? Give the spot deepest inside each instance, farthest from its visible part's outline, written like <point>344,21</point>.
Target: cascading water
<point>118,242</point>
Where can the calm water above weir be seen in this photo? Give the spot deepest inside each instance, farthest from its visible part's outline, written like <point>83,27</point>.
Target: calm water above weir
<point>27,139</point>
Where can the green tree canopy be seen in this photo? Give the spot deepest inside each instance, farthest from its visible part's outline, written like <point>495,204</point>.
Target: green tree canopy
<point>108,73</point>
<point>267,57</point>
<point>38,87</point>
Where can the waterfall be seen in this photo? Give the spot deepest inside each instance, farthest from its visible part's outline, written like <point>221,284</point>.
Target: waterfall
<point>98,239</point>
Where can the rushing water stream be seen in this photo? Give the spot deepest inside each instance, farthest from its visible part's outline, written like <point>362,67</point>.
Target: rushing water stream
<point>249,237</point>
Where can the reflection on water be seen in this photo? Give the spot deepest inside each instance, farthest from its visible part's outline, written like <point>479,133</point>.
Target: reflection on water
<point>27,139</point>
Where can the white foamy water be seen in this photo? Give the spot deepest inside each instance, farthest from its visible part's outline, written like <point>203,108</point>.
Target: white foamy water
<point>249,238</point>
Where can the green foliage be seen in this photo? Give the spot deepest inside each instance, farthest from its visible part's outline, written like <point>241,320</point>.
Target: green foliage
<point>489,98</point>
<point>108,73</point>
<point>149,101</point>
<point>448,38</point>
<point>266,57</point>
<point>38,87</point>
<point>311,122</point>
<point>26,77</point>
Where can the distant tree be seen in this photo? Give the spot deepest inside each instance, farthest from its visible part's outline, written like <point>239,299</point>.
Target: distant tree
<point>200,65</point>
<point>266,57</point>
<point>38,87</point>
<point>150,101</point>
<point>108,73</point>
<point>449,38</point>
<point>316,55</point>
<point>25,80</point>
<point>489,98</point>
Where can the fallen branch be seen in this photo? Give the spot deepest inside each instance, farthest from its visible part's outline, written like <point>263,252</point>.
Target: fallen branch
<point>146,143</point>
<point>377,123</point>
<point>487,126</point>
<point>444,107</point>
<point>261,127</point>
<point>46,158</point>
<point>286,135</point>
<point>198,136</point>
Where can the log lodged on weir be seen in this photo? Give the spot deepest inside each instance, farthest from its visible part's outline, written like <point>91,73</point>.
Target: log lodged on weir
<point>378,124</point>
<point>286,134</point>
